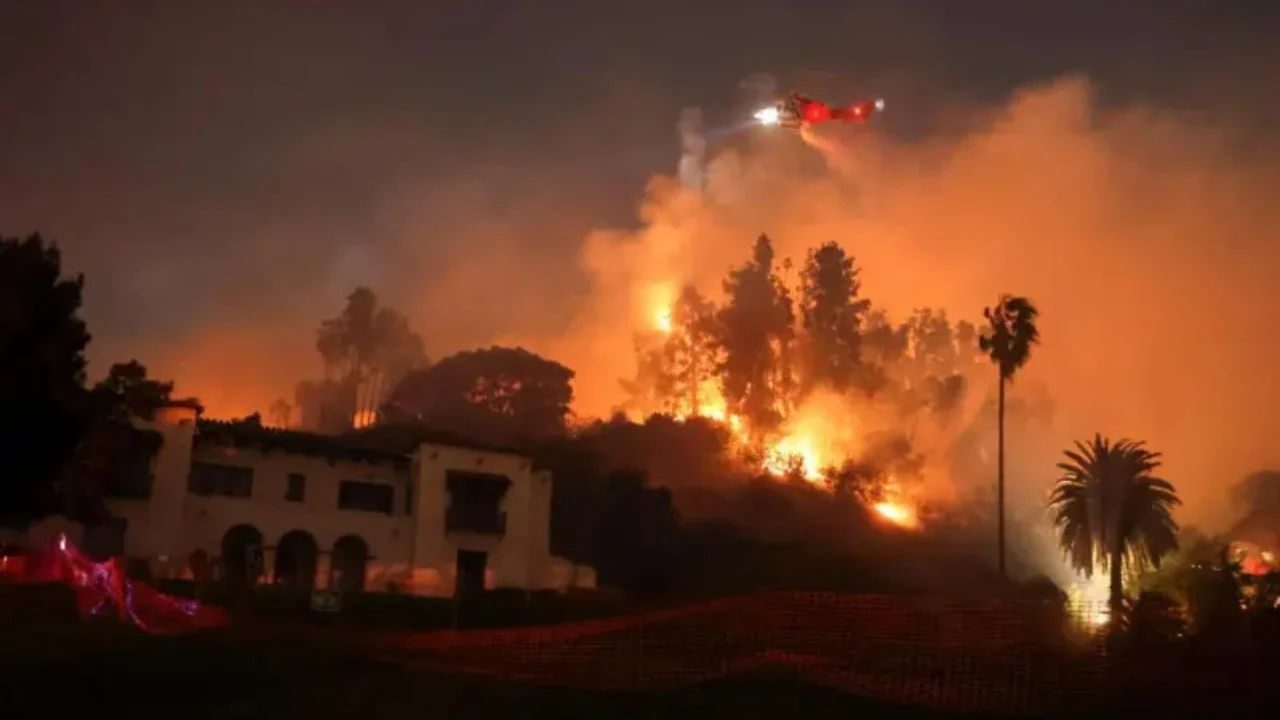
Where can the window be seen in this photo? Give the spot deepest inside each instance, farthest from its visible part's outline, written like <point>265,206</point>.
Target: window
<point>213,480</point>
<point>366,496</point>
<point>296,489</point>
<point>475,502</point>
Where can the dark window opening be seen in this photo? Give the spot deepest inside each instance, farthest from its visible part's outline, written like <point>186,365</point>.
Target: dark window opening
<point>213,480</point>
<point>296,488</point>
<point>475,502</point>
<point>366,496</point>
<point>471,569</point>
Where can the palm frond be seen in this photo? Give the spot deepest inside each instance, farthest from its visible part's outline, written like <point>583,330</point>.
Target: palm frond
<point>1010,334</point>
<point>1107,495</point>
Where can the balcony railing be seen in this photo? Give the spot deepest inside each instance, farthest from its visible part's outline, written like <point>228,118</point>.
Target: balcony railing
<point>482,521</point>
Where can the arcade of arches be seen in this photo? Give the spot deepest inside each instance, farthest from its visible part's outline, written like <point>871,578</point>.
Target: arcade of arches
<point>296,559</point>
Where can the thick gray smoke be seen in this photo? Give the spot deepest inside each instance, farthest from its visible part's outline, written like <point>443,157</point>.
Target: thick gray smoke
<point>693,149</point>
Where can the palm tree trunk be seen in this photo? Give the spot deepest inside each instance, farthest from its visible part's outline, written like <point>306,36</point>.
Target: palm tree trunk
<point>1000,477</point>
<point>1115,595</point>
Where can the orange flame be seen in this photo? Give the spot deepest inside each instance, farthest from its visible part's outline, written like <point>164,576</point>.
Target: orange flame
<point>897,513</point>
<point>810,442</point>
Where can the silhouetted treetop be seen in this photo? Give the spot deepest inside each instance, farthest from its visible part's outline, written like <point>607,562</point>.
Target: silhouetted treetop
<point>366,350</point>
<point>126,388</point>
<point>497,394</point>
<point>1010,334</point>
<point>42,364</point>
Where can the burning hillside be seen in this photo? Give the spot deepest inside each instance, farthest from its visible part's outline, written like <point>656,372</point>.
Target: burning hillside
<point>805,375</point>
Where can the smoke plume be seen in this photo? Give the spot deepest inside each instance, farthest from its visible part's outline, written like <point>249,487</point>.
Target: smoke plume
<point>1146,237</point>
<point>693,149</point>
<point>1142,236</point>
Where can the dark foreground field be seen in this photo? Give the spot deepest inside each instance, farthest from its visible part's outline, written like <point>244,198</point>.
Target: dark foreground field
<point>109,672</point>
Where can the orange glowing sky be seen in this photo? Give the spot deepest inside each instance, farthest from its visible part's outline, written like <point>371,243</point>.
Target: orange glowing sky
<point>1146,242</point>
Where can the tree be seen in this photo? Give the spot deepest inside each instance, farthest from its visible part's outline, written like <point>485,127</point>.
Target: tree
<point>832,315</point>
<point>932,344</point>
<point>932,366</point>
<point>967,350</point>
<point>1007,340</point>
<point>127,391</point>
<point>1109,506</point>
<point>757,327</point>
<point>114,456</point>
<point>687,355</point>
<point>497,394</point>
<point>884,347</point>
<point>42,343</point>
<point>366,350</point>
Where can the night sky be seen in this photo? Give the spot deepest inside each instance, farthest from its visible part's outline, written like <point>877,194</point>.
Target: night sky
<point>196,159</point>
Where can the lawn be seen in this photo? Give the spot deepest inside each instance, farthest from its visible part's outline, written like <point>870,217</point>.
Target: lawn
<point>111,671</point>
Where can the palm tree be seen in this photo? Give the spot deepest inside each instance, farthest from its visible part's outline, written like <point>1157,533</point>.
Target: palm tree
<point>1108,505</point>
<point>1007,340</point>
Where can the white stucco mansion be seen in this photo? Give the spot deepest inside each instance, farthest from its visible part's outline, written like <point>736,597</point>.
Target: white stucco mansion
<point>270,505</point>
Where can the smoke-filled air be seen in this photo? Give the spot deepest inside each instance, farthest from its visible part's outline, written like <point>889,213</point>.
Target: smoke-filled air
<point>817,298</point>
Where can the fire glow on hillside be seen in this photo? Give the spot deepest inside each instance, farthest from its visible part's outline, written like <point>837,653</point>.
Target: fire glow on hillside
<point>800,449</point>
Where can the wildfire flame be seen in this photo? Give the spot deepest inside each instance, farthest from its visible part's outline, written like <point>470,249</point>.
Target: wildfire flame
<point>806,446</point>
<point>897,513</point>
<point>1090,596</point>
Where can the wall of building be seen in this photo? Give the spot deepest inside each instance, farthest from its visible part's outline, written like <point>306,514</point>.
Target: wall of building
<point>388,537</point>
<point>515,559</point>
<point>409,549</point>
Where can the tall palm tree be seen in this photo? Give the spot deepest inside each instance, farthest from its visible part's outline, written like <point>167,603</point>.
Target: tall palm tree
<point>1108,505</point>
<point>1007,340</point>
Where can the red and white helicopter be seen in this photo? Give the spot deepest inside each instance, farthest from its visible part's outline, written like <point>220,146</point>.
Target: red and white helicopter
<point>798,110</point>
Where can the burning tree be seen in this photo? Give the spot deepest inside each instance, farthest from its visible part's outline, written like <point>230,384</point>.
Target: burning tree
<point>688,354</point>
<point>756,332</point>
<point>832,313</point>
<point>775,371</point>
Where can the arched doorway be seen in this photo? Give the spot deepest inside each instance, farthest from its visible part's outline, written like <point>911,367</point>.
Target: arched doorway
<point>347,566</point>
<point>242,555</point>
<point>296,556</point>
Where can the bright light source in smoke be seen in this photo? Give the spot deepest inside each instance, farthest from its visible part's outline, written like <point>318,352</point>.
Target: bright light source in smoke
<point>896,513</point>
<point>880,104</point>
<point>1090,596</point>
<point>768,116</point>
<point>662,320</point>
